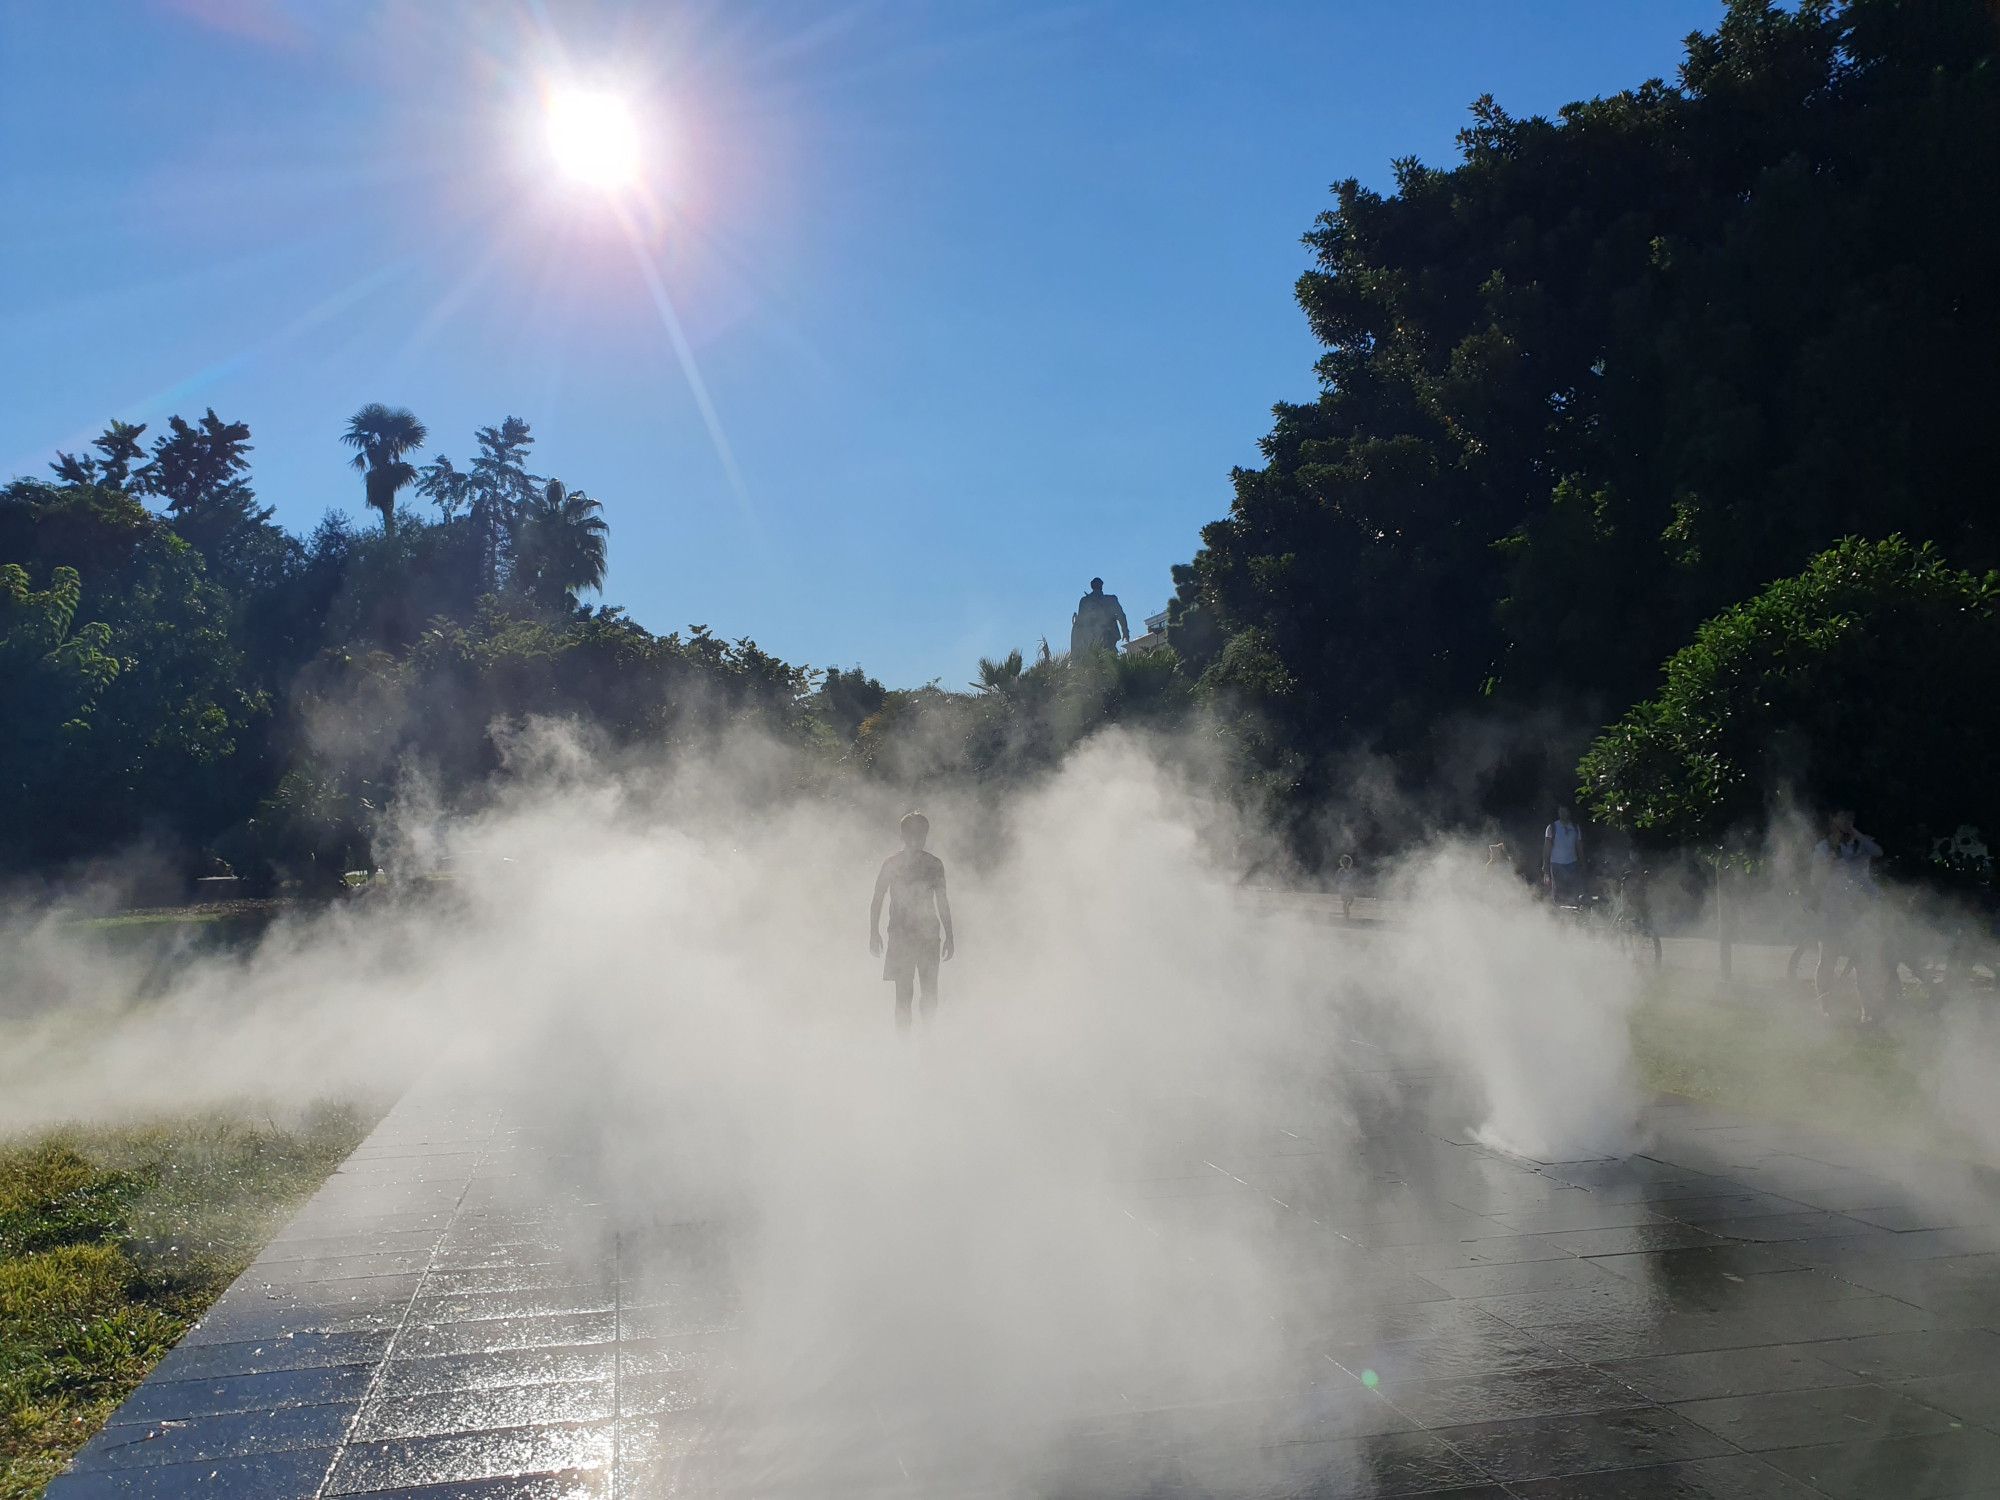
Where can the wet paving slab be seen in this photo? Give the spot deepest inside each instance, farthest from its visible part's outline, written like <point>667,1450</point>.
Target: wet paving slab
<point>1737,1310</point>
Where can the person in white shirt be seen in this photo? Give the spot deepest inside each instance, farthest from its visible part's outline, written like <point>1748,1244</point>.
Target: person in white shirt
<point>1562,859</point>
<point>1343,885</point>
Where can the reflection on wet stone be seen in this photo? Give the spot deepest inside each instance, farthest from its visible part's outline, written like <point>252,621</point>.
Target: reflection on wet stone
<point>1727,1372</point>
<point>1797,1419</point>
<point>1727,1478</point>
<point>1429,1317</point>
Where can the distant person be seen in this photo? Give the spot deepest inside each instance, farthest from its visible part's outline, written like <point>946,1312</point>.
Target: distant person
<point>1344,879</point>
<point>1562,859</point>
<point>919,913</point>
<point>1099,622</point>
<point>1846,890</point>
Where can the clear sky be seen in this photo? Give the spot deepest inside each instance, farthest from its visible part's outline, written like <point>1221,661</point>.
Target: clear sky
<point>973,299</point>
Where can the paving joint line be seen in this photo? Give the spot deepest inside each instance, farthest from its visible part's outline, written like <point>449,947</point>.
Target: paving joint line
<point>341,1448</point>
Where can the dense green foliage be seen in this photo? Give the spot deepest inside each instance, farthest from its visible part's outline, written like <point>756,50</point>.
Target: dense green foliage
<point>196,680</point>
<point>1616,372</point>
<point>112,1242</point>
<point>1867,680</point>
<point>1021,719</point>
<point>130,700</point>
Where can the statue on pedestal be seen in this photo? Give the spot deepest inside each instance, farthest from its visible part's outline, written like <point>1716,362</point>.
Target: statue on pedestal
<point>1099,622</point>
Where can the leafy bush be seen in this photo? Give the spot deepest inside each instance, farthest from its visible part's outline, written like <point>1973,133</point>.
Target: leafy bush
<point>1866,681</point>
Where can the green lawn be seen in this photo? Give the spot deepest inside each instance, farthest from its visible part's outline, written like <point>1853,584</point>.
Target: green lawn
<point>1764,1050</point>
<point>114,1240</point>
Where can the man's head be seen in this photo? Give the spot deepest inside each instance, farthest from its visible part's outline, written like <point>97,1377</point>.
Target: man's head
<point>1562,813</point>
<point>916,828</point>
<point>1097,585</point>
<point>1841,821</point>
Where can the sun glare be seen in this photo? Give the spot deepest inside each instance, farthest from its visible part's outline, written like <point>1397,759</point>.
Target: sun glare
<point>594,137</point>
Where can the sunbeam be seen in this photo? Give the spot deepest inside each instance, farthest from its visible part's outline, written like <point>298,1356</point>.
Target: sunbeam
<point>684,352</point>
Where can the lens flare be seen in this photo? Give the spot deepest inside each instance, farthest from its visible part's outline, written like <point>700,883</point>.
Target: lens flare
<point>593,136</point>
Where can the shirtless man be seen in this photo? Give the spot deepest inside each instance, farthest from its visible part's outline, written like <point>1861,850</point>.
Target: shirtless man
<point>913,880</point>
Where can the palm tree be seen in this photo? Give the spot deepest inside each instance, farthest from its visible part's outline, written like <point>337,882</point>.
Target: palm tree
<point>559,550</point>
<point>380,436</point>
<point>999,675</point>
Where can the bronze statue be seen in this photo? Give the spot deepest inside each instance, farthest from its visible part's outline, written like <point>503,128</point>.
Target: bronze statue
<point>1099,622</point>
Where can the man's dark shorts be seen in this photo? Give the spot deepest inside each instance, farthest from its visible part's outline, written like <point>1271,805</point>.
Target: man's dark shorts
<point>1565,884</point>
<point>911,955</point>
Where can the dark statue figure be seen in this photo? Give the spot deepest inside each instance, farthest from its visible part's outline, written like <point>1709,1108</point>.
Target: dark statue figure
<point>1099,622</point>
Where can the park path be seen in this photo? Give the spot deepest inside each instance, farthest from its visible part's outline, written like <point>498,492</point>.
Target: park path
<point>1746,1309</point>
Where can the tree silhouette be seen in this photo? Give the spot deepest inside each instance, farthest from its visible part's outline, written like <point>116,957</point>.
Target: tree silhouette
<point>198,464</point>
<point>496,494</point>
<point>847,698</point>
<point>119,443</point>
<point>999,675</point>
<point>1609,373</point>
<point>380,436</point>
<point>559,546</point>
<point>448,488</point>
<point>501,490</point>
<point>200,470</point>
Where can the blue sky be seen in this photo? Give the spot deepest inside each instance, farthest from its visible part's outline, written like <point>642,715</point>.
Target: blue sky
<point>984,298</point>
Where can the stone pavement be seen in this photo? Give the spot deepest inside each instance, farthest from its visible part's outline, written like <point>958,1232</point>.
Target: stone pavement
<point>1744,1310</point>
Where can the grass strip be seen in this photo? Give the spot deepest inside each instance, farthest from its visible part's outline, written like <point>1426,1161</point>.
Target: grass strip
<point>114,1240</point>
<point>1764,1050</point>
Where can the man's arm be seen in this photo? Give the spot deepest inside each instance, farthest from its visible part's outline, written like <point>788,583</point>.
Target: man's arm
<point>875,909</point>
<point>1124,630</point>
<point>1548,846</point>
<point>944,915</point>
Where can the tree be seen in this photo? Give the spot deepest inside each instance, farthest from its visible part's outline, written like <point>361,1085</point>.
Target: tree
<point>90,528</point>
<point>999,675</point>
<point>848,697</point>
<point>559,547</point>
<point>448,488</point>
<point>197,464</point>
<point>1613,372</point>
<point>201,470</point>
<point>1865,681</point>
<point>494,493</point>
<point>1020,720</point>
<point>198,469</point>
<point>381,436</point>
<point>502,488</point>
<point>119,443</point>
<point>244,692</point>
<point>53,673</point>
<point>162,750</point>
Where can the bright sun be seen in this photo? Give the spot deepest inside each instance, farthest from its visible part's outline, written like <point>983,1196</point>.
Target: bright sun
<point>594,137</point>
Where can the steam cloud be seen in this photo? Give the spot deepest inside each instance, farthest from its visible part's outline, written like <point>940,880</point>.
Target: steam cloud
<point>978,1232</point>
